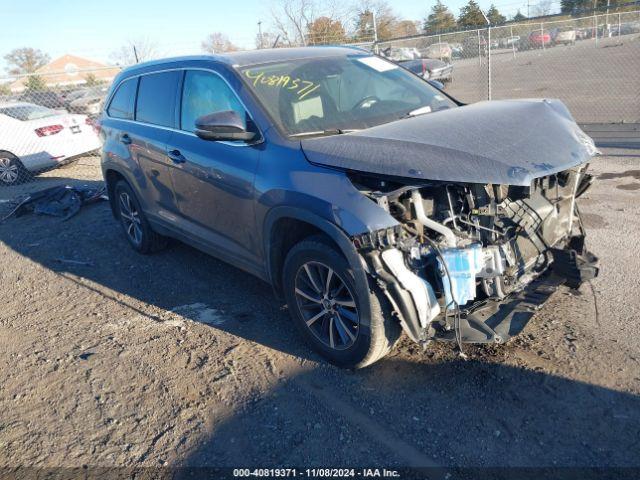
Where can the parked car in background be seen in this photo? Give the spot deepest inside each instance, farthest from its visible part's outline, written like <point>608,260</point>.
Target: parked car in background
<point>457,50</point>
<point>398,54</point>
<point>583,33</point>
<point>631,27</point>
<point>441,51</point>
<point>565,36</point>
<point>73,95</point>
<point>45,98</point>
<point>536,39</point>
<point>626,28</point>
<point>33,138</point>
<point>90,102</point>
<point>371,202</point>
<point>509,42</point>
<point>429,68</point>
<point>474,45</point>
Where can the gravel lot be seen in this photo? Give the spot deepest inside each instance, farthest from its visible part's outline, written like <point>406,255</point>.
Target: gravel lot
<point>597,84</point>
<point>178,359</point>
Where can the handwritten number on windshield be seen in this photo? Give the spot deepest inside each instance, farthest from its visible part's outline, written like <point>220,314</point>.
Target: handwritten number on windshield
<point>300,87</point>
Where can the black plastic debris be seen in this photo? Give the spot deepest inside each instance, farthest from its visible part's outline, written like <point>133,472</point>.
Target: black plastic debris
<point>62,201</point>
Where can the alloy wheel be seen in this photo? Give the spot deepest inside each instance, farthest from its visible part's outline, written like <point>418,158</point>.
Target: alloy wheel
<point>327,305</point>
<point>131,218</point>
<point>8,171</point>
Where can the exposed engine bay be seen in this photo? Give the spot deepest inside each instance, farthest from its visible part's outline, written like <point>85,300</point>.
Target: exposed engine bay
<point>472,262</point>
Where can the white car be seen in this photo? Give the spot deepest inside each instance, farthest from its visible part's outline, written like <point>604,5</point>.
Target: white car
<point>33,138</point>
<point>566,36</point>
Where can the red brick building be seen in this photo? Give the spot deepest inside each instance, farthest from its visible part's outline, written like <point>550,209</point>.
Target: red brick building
<point>69,70</point>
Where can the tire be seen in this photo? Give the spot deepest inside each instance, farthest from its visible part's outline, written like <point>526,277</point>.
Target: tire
<point>12,171</point>
<point>336,335</point>
<point>134,223</point>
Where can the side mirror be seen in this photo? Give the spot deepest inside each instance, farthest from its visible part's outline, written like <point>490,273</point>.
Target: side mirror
<point>225,125</point>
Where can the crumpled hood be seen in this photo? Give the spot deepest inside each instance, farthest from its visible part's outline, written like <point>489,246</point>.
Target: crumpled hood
<point>507,142</point>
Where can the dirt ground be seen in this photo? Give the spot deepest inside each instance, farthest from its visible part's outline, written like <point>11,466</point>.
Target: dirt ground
<point>179,359</point>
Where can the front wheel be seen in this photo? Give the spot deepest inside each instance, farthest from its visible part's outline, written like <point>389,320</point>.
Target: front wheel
<point>320,289</point>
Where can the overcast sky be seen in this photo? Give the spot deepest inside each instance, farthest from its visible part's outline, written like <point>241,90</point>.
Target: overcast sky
<point>94,29</point>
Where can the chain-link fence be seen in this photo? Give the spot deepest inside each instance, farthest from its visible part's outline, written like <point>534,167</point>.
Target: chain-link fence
<point>591,63</point>
<point>47,120</point>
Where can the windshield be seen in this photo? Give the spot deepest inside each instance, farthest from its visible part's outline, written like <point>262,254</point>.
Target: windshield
<point>331,95</point>
<point>27,112</point>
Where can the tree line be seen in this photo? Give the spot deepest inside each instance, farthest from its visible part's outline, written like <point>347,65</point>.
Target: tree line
<point>310,22</point>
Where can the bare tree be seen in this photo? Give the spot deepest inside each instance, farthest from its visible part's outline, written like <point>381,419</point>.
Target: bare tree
<point>218,43</point>
<point>25,60</point>
<point>543,8</point>
<point>135,51</point>
<point>268,40</point>
<point>386,19</point>
<point>291,19</point>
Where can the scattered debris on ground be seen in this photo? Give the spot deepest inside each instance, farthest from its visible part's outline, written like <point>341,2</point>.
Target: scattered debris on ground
<point>62,201</point>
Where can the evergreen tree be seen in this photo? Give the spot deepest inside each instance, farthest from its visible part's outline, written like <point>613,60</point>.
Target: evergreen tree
<point>518,17</point>
<point>440,19</point>
<point>494,16</point>
<point>575,6</point>
<point>471,16</point>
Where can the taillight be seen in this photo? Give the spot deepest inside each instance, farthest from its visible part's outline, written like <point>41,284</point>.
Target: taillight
<point>424,67</point>
<point>49,130</point>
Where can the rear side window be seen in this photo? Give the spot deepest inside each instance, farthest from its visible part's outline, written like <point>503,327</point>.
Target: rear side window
<point>156,98</point>
<point>121,105</point>
<point>204,93</point>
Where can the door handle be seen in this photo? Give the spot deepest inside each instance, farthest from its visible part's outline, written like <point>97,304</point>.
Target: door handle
<point>176,156</point>
<point>125,138</point>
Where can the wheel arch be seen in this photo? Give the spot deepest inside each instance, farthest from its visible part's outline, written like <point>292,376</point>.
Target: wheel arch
<point>111,177</point>
<point>285,226</point>
<point>5,151</point>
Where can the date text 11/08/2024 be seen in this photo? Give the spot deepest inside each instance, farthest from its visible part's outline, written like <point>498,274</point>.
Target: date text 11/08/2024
<point>316,472</point>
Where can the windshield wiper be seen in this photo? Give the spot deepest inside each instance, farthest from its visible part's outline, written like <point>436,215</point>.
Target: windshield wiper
<point>329,131</point>
<point>423,111</point>
<point>417,111</point>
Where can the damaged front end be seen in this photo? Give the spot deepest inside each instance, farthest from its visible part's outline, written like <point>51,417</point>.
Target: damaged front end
<point>472,262</point>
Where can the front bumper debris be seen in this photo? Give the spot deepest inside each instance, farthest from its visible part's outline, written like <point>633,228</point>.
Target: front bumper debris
<point>498,321</point>
<point>576,267</point>
<point>492,320</point>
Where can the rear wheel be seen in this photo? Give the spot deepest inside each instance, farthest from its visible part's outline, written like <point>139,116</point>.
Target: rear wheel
<point>12,172</point>
<point>321,292</point>
<point>134,223</point>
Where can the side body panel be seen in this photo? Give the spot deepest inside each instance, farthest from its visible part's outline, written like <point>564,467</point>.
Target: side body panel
<point>213,186</point>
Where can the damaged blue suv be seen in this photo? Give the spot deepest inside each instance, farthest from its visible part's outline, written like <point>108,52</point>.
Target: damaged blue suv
<point>371,201</point>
